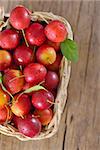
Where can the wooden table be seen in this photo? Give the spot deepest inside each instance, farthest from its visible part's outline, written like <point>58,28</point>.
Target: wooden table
<point>80,124</point>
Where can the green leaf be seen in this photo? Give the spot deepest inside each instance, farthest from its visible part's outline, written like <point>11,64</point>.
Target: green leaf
<point>69,50</point>
<point>34,88</point>
<point>1,77</point>
<point>31,89</point>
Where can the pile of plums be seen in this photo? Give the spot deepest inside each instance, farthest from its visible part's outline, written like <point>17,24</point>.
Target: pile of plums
<point>29,55</point>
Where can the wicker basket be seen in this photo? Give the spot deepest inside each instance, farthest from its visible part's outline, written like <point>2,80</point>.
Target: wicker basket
<point>65,69</point>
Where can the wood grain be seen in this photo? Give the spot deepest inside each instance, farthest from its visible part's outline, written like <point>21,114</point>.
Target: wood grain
<point>80,124</point>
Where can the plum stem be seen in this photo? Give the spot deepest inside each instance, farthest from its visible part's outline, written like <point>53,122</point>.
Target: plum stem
<point>34,49</point>
<point>36,116</point>
<point>49,61</point>
<point>22,116</point>
<point>20,67</point>
<point>6,91</point>
<point>19,96</point>
<point>8,114</point>
<point>25,38</point>
<point>41,82</point>
<point>2,86</point>
<point>22,76</point>
<point>52,102</point>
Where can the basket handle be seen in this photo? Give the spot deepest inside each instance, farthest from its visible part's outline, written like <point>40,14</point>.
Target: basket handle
<point>1,12</point>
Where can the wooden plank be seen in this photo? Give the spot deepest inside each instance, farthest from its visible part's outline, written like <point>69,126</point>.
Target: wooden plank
<point>83,119</point>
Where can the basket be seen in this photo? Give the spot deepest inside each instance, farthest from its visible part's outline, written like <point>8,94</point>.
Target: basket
<point>65,69</point>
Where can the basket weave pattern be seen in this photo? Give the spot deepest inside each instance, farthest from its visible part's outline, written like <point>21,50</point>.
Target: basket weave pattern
<point>65,69</point>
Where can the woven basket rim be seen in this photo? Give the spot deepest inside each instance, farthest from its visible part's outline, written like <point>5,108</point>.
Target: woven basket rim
<point>65,71</point>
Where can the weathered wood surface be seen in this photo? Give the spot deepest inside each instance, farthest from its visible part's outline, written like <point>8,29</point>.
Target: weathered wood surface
<point>80,124</point>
